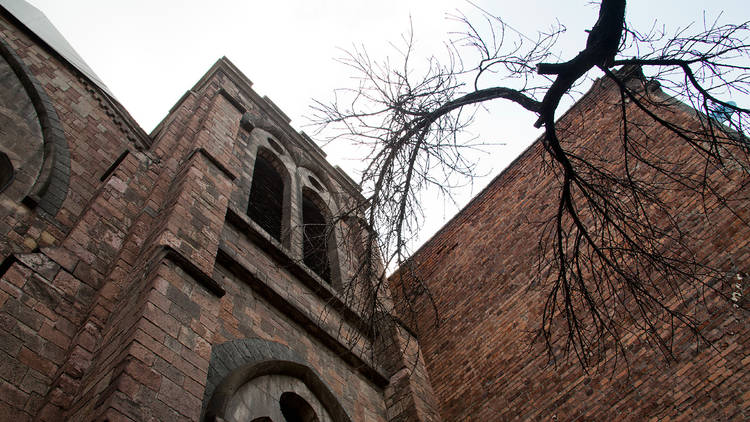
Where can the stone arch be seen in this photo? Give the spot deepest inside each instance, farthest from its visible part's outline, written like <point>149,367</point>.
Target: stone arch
<point>312,169</point>
<point>265,128</point>
<point>309,178</point>
<point>273,138</point>
<point>237,362</point>
<point>280,398</point>
<point>41,182</point>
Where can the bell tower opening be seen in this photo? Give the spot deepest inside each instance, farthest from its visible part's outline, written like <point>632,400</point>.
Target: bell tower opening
<point>265,206</point>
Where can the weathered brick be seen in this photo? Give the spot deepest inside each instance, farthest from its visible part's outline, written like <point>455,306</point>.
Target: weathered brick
<point>36,362</point>
<point>143,374</point>
<point>12,395</point>
<point>11,370</point>
<point>34,382</point>
<point>48,332</point>
<point>176,397</point>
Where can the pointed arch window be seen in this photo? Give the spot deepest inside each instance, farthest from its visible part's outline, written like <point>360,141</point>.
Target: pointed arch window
<point>315,237</point>
<point>266,203</point>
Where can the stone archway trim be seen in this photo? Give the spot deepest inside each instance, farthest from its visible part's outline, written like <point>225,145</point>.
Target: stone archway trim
<point>236,362</point>
<point>51,187</point>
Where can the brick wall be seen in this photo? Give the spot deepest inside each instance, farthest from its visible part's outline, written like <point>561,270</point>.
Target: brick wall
<point>481,269</point>
<point>118,304</point>
<point>47,291</point>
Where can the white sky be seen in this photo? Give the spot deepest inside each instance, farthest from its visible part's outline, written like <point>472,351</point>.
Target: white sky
<point>149,52</point>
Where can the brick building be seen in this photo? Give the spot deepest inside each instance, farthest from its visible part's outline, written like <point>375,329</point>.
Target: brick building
<point>482,270</point>
<point>176,275</point>
<point>194,273</point>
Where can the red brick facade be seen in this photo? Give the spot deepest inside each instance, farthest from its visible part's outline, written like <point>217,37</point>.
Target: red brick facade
<point>481,266</point>
<point>135,287</point>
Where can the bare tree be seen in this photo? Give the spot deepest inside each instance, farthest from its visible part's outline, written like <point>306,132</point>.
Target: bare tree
<point>616,247</point>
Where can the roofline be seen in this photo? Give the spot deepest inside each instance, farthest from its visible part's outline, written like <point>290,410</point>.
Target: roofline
<point>244,84</point>
<point>629,72</point>
<point>140,138</point>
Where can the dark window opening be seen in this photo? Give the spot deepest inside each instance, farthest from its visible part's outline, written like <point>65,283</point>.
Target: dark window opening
<point>315,239</point>
<point>6,171</point>
<point>266,197</point>
<point>296,409</point>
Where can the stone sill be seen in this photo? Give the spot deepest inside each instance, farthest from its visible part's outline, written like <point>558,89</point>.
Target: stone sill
<point>284,258</point>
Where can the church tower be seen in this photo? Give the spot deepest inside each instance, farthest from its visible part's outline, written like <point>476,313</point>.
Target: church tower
<point>199,272</point>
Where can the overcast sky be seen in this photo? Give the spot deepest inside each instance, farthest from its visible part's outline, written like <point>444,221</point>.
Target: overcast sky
<point>149,52</point>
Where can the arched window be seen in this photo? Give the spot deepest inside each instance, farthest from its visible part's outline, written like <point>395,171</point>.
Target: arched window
<point>296,409</point>
<point>266,196</point>
<point>315,237</point>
